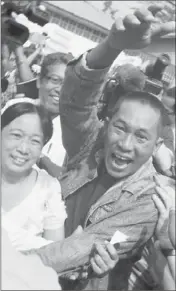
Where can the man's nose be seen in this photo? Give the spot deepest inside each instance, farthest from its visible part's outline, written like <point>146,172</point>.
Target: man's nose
<point>126,143</point>
<point>56,89</point>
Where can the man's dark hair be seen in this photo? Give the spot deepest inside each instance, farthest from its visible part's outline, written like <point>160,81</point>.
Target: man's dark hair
<point>144,98</point>
<point>19,109</point>
<point>51,60</point>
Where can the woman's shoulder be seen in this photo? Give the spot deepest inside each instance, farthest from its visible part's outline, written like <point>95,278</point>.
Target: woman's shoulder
<point>46,182</point>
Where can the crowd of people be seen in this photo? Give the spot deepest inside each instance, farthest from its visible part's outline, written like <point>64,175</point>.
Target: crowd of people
<point>79,169</point>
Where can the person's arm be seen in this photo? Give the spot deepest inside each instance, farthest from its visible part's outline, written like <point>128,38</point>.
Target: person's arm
<point>24,70</point>
<point>5,55</point>
<point>159,267</point>
<point>75,250</point>
<point>78,111</point>
<point>84,77</point>
<point>32,57</point>
<point>163,266</point>
<point>54,234</point>
<point>50,167</point>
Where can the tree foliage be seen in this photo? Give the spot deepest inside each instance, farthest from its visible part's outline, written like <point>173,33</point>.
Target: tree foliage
<point>168,13</point>
<point>108,7</point>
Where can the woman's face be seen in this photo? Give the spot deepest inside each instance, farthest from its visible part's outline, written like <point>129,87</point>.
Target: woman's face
<point>22,142</point>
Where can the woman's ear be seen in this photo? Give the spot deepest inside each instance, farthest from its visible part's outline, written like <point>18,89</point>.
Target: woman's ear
<point>38,82</point>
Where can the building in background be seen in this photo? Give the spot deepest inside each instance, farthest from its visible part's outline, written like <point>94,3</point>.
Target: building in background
<point>85,19</point>
<point>80,17</point>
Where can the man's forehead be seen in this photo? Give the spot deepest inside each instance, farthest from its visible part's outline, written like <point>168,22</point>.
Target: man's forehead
<point>57,68</point>
<point>131,111</point>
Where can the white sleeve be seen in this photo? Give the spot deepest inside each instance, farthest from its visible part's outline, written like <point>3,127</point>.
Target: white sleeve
<point>54,210</point>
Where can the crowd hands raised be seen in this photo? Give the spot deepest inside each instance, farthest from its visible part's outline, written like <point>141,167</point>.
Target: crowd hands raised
<point>79,249</point>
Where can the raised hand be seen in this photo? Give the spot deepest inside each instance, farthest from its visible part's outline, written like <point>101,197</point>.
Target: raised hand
<point>137,30</point>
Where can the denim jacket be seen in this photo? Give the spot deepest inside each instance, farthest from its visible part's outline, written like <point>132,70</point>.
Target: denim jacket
<point>127,206</point>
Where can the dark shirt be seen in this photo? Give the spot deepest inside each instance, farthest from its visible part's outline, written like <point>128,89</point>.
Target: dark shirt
<point>29,89</point>
<point>80,202</point>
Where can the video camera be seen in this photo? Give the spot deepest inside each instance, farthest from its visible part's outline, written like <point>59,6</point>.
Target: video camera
<point>154,73</point>
<point>15,32</point>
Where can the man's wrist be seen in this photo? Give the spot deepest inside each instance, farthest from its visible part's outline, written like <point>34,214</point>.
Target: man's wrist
<point>102,56</point>
<point>111,45</point>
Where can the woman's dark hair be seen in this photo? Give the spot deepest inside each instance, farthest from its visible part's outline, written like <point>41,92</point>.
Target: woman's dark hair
<point>19,109</point>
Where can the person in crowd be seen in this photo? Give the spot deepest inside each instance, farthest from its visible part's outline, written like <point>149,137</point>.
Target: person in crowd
<point>28,88</point>
<point>169,128</point>
<point>161,257</point>
<point>48,86</point>
<point>108,183</point>
<point>33,213</point>
<point>144,272</point>
<point>15,67</point>
<point>165,159</point>
<point>128,78</point>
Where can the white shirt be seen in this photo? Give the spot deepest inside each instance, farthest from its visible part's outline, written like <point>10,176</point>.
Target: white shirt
<point>54,148</point>
<point>42,209</point>
<point>20,272</point>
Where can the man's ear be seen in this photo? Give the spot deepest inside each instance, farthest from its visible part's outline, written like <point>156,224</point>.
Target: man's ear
<point>158,144</point>
<point>105,127</point>
<point>106,123</point>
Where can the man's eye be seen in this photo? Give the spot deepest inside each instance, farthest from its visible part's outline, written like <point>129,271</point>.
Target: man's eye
<point>54,80</point>
<point>141,138</point>
<point>120,128</point>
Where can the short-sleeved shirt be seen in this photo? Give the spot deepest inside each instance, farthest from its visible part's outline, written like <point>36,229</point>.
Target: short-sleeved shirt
<point>41,210</point>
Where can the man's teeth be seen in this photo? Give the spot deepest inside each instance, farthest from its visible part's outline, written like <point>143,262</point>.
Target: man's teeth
<point>55,98</point>
<point>121,158</point>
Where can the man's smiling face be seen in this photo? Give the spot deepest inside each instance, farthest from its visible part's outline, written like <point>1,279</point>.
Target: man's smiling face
<point>131,138</point>
<point>50,87</point>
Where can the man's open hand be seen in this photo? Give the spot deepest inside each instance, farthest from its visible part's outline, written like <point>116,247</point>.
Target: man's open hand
<point>137,30</point>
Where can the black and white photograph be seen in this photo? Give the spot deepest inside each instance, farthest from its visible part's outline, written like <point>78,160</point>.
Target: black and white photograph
<point>88,145</point>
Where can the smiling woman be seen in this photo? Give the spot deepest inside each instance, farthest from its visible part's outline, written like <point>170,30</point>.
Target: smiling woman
<point>32,207</point>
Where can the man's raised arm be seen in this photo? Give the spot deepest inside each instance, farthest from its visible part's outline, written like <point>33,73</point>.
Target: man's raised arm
<point>85,76</point>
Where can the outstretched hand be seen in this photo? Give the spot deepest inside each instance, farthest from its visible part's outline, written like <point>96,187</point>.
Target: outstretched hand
<point>137,30</point>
